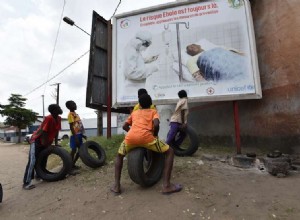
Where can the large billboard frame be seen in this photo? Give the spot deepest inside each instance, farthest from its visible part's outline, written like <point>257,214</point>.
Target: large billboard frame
<point>98,92</point>
<point>149,13</point>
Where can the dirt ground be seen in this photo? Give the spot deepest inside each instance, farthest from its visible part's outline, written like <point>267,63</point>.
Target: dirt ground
<point>212,190</point>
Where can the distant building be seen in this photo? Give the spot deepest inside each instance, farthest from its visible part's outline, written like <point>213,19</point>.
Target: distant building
<point>10,133</point>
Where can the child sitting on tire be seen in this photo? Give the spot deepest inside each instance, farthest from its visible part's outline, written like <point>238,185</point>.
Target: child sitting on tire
<point>178,121</point>
<point>141,91</point>
<point>142,127</point>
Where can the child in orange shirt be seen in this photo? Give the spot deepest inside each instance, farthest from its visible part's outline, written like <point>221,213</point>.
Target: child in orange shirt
<point>142,127</point>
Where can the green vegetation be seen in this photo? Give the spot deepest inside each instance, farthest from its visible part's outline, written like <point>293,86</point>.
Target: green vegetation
<point>290,210</point>
<point>16,114</point>
<point>110,146</point>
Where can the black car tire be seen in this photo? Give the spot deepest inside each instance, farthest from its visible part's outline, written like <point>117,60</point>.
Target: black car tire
<point>154,170</point>
<point>51,176</point>
<point>88,159</point>
<point>1,193</point>
<point>193,146</point>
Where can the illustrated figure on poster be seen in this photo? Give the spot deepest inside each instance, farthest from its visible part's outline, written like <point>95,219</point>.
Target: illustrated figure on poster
<point>207,61</point>
<point>136,67</point>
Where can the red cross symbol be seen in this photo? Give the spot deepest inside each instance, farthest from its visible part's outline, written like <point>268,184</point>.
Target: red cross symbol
<point>210,91</point>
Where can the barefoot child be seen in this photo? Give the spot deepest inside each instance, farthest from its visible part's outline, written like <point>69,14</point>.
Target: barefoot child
<point>142,127</point>
<point>77,131</point>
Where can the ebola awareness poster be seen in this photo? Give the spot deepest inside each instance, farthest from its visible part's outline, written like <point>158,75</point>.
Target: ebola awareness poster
<point>206,48</point>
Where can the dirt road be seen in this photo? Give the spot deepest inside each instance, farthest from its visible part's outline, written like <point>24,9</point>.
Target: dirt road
<point>212,190</point>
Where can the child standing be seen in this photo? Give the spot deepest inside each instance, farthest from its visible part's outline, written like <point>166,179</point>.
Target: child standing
<point>178,121</point>
<point>77,131</point>
<point>142,91</point>
<point>40,139</point>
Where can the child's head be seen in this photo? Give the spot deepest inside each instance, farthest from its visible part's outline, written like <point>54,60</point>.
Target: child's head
<point>71,105</point>
<point>182,94</point>
<point>145,101</point>
<point>141,92</point>
<point>55,109</point>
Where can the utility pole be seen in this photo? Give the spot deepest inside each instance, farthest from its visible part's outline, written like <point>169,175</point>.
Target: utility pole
<point>57,92</point>
<point>43,107</point>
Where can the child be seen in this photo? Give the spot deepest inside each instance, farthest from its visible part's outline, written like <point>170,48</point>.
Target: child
<point>141,92</point>
<point>40,139</point>
<point>77,131</point>
<point>142,127</point>
<point>178,121</point>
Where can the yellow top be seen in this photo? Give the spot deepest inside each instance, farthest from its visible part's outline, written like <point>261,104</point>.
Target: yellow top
<point>137,107</point>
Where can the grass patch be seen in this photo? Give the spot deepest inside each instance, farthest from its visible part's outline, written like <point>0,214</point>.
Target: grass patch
<point>110,146</point>
<point>289,210</point>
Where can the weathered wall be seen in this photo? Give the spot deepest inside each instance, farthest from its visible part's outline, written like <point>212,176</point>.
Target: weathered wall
<point>275,119</point>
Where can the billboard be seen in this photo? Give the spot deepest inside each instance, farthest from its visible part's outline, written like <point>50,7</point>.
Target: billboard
<point>97,92</point>
<point>204,47</point>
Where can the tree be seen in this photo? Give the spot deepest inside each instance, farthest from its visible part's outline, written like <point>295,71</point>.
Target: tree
<point>17,115</point>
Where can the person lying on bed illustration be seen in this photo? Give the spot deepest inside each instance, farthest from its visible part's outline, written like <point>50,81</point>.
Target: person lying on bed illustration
<point>215,63</point>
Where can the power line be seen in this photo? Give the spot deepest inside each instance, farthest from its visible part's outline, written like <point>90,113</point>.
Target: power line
<point>55,42</point>
<point>60,72</point>
<point>115,10</point>
<point>48,80</point>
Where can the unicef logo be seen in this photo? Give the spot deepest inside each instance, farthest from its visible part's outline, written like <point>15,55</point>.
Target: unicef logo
<point>125,24</point>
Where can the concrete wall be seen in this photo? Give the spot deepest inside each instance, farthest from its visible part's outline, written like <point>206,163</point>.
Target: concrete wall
<point>273,121</point>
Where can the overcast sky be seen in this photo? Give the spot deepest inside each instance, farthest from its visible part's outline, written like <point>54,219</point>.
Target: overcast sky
<point>28,30</point>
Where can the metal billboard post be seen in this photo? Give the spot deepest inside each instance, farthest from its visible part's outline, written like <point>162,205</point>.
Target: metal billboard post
<point>237,127</point>
<point>109,77</point>
<point>178,44</point>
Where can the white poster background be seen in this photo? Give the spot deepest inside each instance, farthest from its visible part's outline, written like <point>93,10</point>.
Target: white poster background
<point>223,23</point>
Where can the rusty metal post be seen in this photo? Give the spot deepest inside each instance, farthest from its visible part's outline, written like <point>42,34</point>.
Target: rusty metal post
<point>109,78</point>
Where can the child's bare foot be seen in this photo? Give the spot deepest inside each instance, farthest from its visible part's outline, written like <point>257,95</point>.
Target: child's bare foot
<point>115,190</point>
<point>173,188</point>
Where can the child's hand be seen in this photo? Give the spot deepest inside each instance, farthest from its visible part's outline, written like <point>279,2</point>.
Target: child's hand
<point>77,142</point>
<point>183,127</point>
<point>52,146</point>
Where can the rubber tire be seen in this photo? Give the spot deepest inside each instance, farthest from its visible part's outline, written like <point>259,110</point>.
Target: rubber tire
<point>52,176</point>
<point>1,193</point>
<point>65,137</point>
<point>136,167</point>
<point>193,147</point>
<point>87,159</point>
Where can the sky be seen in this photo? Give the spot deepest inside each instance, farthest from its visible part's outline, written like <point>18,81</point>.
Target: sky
<point>36,45</point>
